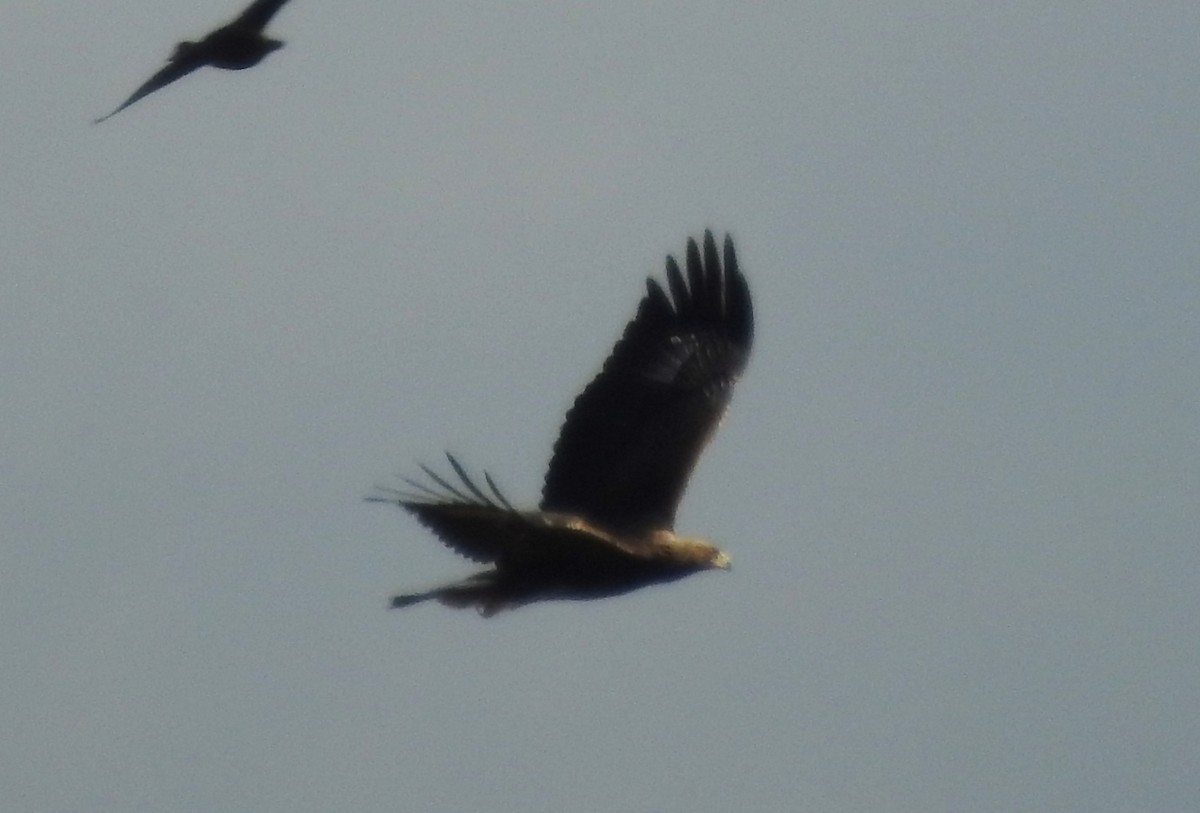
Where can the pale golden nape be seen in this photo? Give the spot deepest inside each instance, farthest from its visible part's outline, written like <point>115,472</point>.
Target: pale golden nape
<point>702,552</point>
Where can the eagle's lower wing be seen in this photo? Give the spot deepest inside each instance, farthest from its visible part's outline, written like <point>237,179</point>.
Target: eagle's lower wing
<point>485,527</point>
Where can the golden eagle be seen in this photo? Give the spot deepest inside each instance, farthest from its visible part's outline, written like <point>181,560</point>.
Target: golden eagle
<point>621,462</point>
<point>234,46</point>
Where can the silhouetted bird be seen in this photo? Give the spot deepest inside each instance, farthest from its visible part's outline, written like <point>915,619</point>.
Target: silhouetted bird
<point>234,46</point>
<point>621,463</point>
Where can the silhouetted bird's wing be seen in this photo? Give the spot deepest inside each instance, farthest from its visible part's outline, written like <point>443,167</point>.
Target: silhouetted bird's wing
<point>630,441</point>
<point>177,68</point>
<point>259,13</point>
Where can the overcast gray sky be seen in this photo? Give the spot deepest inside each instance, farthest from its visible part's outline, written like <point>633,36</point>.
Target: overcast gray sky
<point>959,480</point>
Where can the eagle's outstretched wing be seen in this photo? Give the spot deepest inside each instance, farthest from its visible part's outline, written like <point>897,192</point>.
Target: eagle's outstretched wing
<point>630,441</point>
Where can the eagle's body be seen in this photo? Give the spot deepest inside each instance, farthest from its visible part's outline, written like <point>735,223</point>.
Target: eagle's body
<point>621,462</point>
<point>238,45</point>
<point>547,555</point>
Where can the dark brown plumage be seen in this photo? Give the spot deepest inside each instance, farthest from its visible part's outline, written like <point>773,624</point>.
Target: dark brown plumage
<point>622,460</point>
<point>234,46</point>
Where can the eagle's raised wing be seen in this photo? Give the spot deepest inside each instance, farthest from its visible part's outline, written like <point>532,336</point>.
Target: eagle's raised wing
<point>630,441</point>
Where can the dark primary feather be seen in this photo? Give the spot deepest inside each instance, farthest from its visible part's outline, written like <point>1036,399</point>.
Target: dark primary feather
<point>630,441</point>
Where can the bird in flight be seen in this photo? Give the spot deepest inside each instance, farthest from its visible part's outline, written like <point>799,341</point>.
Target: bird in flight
<point>621,462</point>
<point>234,46</point>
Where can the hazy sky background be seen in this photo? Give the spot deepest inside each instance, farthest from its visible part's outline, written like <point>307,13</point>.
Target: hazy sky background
<point>959,481</point>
